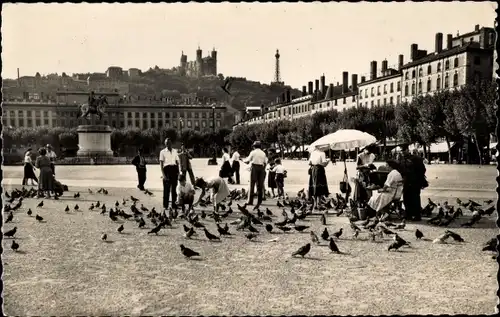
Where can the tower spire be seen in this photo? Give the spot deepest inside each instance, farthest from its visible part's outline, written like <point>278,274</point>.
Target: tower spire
<point>277,75</point>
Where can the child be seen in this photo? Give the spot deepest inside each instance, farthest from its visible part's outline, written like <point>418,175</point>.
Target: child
<point>280,172</point>
<point>271,177</point>
<point>219,190</point>
<point>140,166</point>
<point>185,194</point>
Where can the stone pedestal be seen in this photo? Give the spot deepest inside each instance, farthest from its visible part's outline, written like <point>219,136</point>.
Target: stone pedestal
<point>94,140</point>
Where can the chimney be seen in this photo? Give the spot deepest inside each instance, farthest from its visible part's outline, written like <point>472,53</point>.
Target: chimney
<point>449,41</point>
<point>323,87</point>
<point>330,91</point>
<point>414,52</point>
<point>476,28</point>
<point>18,73</point>
<point>384,66</point>
<point>304,91</point>
<point>363,79</point>
<point>288,98</point>
<point>316,83</point>
<point>310,87</point>
<point>439,43</point>
<point>354,80</point>
<point>345,82</point>
<point>373,70</point>
<point>401,61</point>
<point>283,97</point>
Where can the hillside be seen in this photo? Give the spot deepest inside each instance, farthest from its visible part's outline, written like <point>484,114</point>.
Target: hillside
<point>245,92</point>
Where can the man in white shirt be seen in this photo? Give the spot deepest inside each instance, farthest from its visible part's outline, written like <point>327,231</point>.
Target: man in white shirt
<point>258,159</point>
<point>169,165</point>
<point>236,165</point>
<point>185,194</point>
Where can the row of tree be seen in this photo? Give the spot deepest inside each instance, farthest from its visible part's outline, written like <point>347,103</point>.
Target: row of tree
<point>465,116</point>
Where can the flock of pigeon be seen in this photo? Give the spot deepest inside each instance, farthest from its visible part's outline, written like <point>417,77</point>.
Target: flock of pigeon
<point>251,222</point>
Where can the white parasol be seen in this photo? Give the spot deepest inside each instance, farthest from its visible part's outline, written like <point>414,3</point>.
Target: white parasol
<point>345,139</point>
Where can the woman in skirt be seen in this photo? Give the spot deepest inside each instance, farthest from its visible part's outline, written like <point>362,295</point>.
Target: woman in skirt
<point>46,183</point>
<point>318,186</point>
<point>219,190</point>
<point>29,169</point>
<point>271,175</point>
<point>226,171</point>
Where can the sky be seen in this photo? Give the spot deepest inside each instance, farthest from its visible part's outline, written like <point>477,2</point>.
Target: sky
<point>313,38</point>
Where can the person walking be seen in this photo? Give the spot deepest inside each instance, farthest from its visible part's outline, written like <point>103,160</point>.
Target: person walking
<point>318,185</point>
<point>169,165</point>
<point>185,160</point>
<point>226,171</point>
<point>140,166</point>
<point>46,184</point>
<point>413,169</point>
<point>52,156</point>
<point>29,169</point>
<point>236,165</point>
<point>258,160</point>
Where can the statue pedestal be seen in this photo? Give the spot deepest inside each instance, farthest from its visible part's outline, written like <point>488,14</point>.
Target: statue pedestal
<point>94,140</point>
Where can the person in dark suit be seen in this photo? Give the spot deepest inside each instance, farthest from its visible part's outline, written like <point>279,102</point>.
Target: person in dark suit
<point>140,165</point>
<point>413,169</point>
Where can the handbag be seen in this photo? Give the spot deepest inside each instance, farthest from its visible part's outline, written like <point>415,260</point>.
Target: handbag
<point>344,184</point>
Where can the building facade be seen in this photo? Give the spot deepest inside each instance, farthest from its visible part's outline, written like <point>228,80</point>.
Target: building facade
<point>382,88</point>
<point>201,66</point>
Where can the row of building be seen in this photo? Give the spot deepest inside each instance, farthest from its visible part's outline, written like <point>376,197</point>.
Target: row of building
<point>63,112</point>
<point>464,59</point>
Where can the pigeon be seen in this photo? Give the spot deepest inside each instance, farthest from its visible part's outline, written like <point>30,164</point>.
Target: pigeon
<point>400,226</point>
<point>325,235</point>
<point>37,217</point>
<point>11,232</point>
<point>76,207</point>
<point>104,237</point>
<point>333,246</point>
<point>29,213</point>
<point>117,204</point>
<point>314,237</point>
<point>187,252</point>
<point>284,228</point>
<point>401,240</point>
<point>10,217</point>
<point>489,201</point>
<point>250,236</point>
<point>300,228</point>
<point>77,195</point>
<point>40,204</point>
<point>210,236</point>
<point>323,219</point>
<point>14,246</point>
<point>142,223</point>
<point>338,233</point>
<point>66,209</point>
<point>269,212</point>
<point>190,233</point>
<point>302,251</point>
<point>418,234</point>
<point>395,245</point>
<point>90,191</point>
<point>455,236</point>
<point>269,227</point>
<point>120,229</point>
<point>491,245</point>
<point>227,86</point>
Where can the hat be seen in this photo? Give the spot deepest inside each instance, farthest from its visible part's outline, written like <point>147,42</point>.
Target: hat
<point>48,146</point>
<point>256,144</point>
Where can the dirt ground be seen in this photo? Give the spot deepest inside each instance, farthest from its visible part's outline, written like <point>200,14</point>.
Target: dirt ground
<point>63,268</point>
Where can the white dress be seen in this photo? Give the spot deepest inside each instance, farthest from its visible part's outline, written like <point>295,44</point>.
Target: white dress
<point>395,189</point>
<point>219,189</point>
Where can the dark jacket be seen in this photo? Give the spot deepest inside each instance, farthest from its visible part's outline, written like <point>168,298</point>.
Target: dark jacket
<point>413,171</point>
<point>136,162</point>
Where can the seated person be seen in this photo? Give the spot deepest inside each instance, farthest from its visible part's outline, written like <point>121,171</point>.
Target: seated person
<point>185,194</point>
<point>392,190</point>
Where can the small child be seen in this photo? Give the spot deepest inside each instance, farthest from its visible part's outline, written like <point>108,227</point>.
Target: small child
<point>185,194</point>
<point>280,177</point>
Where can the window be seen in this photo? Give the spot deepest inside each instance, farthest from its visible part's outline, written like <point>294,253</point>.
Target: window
<point>439,67</point>
<point>420,72</point>
<point>413,88</point>
<point>153,124</point>
<point>45,113</point>
<point>196,123</point>
<point>406,76</point>
<point>391,100</point>
<point>446,81</point>
<point>385,88</point>
<point>366,93</point>
<point>429,70</point>
<point>373,91</point>
<point>378,90</point>
<point>438,83</point>
<point>204,115</point>
<point>398,100</point>
<point>406,90</point>
<point>204,124</point>
<point>137,123</point>
<point>28,113</point>
<point>455,62</point>
<point>477,60</point>
<point>455,80</point>
<point>167,115</point>
<point>160,124</point>
<point>378,102</point>
<point>46,121</point>
<point>144,115</point>
<point>428,85</point>
<point>137,114</point>
<point>218,123</point>
<point>398,86</point>
<point>446,65</point>
<point>196,115</point>
<point>419,86</point>
<point>391,89</point>
<point>189,124</point>
<point>153,115</point>
<point>144,124</point>
<point>37,121</point>
<point>413,74</point>
<point>385,101</point>
<point>371,103</point>
<point>218,115</point>
<point>189,115</point>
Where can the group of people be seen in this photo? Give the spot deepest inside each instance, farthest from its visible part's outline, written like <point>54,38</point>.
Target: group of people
<point>45,163</point>
<point>405,178</point>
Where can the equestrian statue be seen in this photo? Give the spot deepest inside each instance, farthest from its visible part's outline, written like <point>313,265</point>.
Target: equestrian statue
<point>95,106</point>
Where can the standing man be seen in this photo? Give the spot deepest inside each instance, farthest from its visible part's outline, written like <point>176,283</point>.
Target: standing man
<point>413,169</point>
<point>169,165</point>
<point>258,160</point>
<point>236,165</point>
<point>140,166</point>
<point>185,160</point>
<point>52,156</point>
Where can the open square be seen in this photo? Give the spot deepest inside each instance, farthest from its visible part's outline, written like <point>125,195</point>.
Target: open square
<point>63,267</point>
